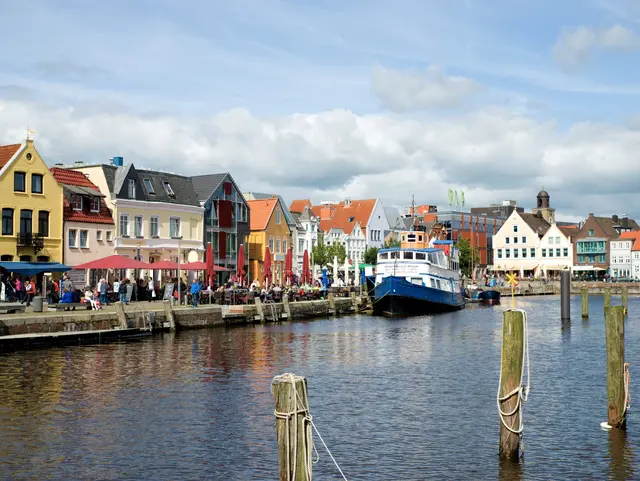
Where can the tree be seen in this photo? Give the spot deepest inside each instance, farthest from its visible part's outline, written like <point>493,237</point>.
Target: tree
<point>338,250</point>
<point>392,242</point>
<point>371,255</point>
<point>465,256</point>
<point>320,252</point>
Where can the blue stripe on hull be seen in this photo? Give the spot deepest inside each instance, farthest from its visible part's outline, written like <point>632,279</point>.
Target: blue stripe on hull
<point>396,295</point>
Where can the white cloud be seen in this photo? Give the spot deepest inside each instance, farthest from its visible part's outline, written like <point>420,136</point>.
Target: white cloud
<point>404,90</point>
<point>574,48</point>
<point>492,155</point>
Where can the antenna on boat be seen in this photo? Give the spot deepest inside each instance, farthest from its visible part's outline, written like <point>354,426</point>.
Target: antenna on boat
<point>413,212</point>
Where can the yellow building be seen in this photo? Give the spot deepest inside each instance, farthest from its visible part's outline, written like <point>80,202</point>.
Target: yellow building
<point>31,203</point>
<point>269,228</point>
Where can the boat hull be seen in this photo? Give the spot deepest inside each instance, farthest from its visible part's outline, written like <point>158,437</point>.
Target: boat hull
<point>489,297</point>
<point>396,296</point>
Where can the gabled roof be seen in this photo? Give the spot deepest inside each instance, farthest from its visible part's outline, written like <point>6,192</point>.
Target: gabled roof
<point>568,231</point>
<point>261,196</point>
<point>299,205</point>
<point>75,182</point>
<point>72,177</point>
<point>7,152</point>
<point>260,212</point>
<point>633,235</point>
<point>306,214</point>
<point>360,210</point>
<point>537,224</point>
<point>181,186</point>
<point>206,184</point>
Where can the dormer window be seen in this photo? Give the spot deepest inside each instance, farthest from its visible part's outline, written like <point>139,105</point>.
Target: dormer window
<point>132,189</point>
<point>95,204</point>
<point>351,219</point>
<point>168,189</point>
<point>76,202</point>
<point>149,186</point>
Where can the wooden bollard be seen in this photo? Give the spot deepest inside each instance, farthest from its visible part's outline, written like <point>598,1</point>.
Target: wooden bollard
<point>625,298</point>
<point>122,316</point>
<point>332,302</point>
<point>616,396</point>
<point>607,298</point>
<point>293,427</point>
<point>510,379</point>
<point>168,315</point>
<point>286,307</point>
<point>585,302</point>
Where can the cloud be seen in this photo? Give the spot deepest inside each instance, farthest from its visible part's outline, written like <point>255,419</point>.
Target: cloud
<point>65,68</point>
<point>404,90</point>
<point>574,48</point>
<point>490,154</point>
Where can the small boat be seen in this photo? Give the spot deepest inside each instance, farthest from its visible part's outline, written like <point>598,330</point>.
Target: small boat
<point>489,297</point>
<point>420,277</point>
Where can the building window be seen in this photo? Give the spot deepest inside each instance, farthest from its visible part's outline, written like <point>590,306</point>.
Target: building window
<point>558,252</point>
<point>558,240</point>
<point>277,216</point>
<point>84,237</point>
<point>591,233</point>
<point>26,221</point>
<point>601,258</point>
<point>550,252</point>
<point>76,202</point>
<point>19,182</point>
<point>149,186</point>
<point>72,237</point>
<point>168,189</point>
<point>124,225</point>
<point>550,239</point>
<point>137,226</point>
<point>532,252</point>
<point>524,252</point>
<point>36,183</point>
<point>99,235</point>
<point>499,253</point>
<point>7,221</point>
<point>515,253</point>
<point>271,244</point>
<point>154,226</point>
<point>507,240</point>
<point>94,205</point>
<point>524,240</point>
<point>507,253</point>
<point>278,245</point>
<point>43,223</point>
<point>515,239</point>
<point>284,246</point>
<point>132,189</point>
<point>544,252</point>
<point>174,227</point>
<point>515,228</point>
<point>109,236</point>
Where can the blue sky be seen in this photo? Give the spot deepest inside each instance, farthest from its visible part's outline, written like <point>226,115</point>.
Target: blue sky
<point>74,66</point>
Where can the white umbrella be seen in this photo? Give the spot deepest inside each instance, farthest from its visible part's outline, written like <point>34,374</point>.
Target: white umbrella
<point>346,270</point>
<point>335,268</point>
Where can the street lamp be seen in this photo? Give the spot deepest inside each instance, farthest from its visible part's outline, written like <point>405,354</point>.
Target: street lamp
<point>179,277</point>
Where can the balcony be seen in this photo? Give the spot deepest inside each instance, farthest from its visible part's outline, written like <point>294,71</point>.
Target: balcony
<point>28,239</point>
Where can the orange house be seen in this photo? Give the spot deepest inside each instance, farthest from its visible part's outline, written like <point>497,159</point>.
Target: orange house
<point>269,228</point>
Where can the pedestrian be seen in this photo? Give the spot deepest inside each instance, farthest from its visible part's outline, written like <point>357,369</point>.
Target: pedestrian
<point>102,291</point>
<point>20,289</point>
<point>151,288</point>
<point>195,293</point>
<point>67,283</point>
<point>122,291</point>
<point>30,289</point>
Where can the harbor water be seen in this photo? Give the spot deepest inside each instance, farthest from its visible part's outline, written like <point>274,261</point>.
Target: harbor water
<point>395,399</point>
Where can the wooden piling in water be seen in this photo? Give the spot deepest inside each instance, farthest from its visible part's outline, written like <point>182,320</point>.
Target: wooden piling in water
<point>122,315</point>
<point>585,302</point>
<point>286,307</point>
<point>607,298</point>
<point>168,315</point>
<point>293,428</point>
<point>510,378</point>
<point>616,396</point>
<point>332,302</point>
<point>625,298</point>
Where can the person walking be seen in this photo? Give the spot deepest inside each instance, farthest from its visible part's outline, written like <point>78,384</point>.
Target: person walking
<point>195,292</point>
<point>30,289</point>
<point>122,291</point>
<point>151,288</point>
<point>102,291</point>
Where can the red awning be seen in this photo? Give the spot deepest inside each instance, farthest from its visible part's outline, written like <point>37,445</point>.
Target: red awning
<point>114,262</point>
<point>164,265</point>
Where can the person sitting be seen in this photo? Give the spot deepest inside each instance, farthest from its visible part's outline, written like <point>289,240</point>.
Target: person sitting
<point>66,297</point>
<point>88,297</point>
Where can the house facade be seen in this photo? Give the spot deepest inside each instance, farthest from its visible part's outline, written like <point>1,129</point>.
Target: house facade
<point>157,214</point>
<point>269,228</point>
<point>635,258</point>
<point>591,250</point>
<point>307,235</point>
<point>622,255</point>
<point>31,204</point>
<point>88,230</point>
<point>556,251</point>
<point>226,218</point>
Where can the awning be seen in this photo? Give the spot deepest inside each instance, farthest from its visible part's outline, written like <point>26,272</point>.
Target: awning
<point>34,268</point>
<point>76,189</point>
<point>114,262</point>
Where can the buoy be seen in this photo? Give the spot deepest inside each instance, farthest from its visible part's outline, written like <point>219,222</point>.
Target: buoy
<point>605,425</point>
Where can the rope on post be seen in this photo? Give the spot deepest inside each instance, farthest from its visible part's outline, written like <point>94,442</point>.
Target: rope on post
<point>290,418</point>
<point>521,391</point>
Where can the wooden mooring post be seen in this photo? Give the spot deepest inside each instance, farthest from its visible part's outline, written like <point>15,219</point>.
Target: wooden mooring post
<point>510,379</point>
<point>168,315</point>
<point>616,395</point>
<point>293,427</point>
<point>625,299</point>
<point>122,315</point>
<point>607,298</point>
<point>584,292</point>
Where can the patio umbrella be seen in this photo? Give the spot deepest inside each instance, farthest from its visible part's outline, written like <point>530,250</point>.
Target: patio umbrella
<point>114,262</point>
<point>194,266</point>
<point>240,266</point>
<point>325,280</point>
<point>306,276</point>
<point>267,266</point>
<point>166,265</point>
<point>209,264</point>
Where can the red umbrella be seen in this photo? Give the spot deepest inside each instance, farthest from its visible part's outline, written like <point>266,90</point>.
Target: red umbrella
<point>210,266</point>
<point>306,275</point>
<point>114,262</point>
<point>267,266</point>
<point>240,265</point>
<point>194,266</point>
<point>166,265</point>
<point>289,264</point>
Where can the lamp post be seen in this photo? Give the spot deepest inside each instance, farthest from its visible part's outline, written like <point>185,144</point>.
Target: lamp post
<point>179,277</point>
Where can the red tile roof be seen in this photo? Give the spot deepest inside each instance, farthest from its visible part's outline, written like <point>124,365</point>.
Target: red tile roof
<point>72,177</point>
<point>7,152</point>
<point>634,235</point>
<point>260,212</point>
<point>345,217</point>
<point>297,206</point>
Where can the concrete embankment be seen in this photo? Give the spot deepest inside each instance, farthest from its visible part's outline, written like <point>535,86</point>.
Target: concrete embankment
<point>536,288</point>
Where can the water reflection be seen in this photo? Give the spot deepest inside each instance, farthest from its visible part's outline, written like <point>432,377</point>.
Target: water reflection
<point>621,455</point>
<point>509,470</point>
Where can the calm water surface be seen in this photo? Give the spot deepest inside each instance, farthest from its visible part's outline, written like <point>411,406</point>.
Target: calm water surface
<point>402,399</point>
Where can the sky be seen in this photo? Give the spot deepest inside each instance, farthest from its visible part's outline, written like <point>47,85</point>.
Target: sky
<point>330,99</point>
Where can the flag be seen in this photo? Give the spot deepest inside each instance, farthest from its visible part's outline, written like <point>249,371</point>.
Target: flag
<point>30,133</point>
<point>457,201</point>
<point>450,196</point>
<point>462,195</point>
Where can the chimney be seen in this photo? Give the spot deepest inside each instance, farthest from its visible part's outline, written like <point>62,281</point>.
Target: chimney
<point>117,161</point>
<point>614,218</point>
<point>347,202</point>
<point>58,164</point>
<point>590,214</point>
<point>625,221</point>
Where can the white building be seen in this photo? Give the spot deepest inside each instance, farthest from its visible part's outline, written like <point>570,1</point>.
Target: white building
<point>556,251</point>
<point>635,259</point>
<point>625,255</point>
<point>308,226</point>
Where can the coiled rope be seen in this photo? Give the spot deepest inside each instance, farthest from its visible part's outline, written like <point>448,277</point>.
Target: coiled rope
<point>627,393</point>
<point>290,418</point>
<point>521,391</point>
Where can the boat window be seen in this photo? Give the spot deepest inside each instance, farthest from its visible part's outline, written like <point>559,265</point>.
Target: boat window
<point>433,283</point>
<point>383,256</point>
<point>403,237</point>
<point>416,280</point>
<point>411,237</point>
<point>419,238</point>
<point>407,255</point>
<point>394,255</point>
<point>421,256</point>
<point>432,258</point>
<point>438,284</point>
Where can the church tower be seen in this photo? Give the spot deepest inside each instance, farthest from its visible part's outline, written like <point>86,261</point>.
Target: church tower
<point>543,207</point>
